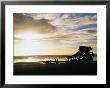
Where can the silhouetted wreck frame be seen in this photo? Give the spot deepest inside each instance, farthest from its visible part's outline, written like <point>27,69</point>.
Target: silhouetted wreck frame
<point>4,3</point>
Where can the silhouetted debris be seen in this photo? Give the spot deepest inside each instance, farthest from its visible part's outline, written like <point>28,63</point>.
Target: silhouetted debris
<point>48,62</point>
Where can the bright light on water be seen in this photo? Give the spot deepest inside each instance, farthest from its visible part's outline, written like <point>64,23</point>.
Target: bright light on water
<point>40,59</point>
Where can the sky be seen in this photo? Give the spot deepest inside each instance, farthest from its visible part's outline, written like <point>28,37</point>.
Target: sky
<point>54,33</point>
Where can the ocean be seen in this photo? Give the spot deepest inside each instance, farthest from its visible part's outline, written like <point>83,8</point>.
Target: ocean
<point>41,58</point>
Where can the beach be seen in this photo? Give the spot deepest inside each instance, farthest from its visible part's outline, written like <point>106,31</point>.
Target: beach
<point>36,68</point>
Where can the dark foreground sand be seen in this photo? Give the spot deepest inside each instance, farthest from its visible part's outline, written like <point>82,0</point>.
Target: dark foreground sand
<point>55,69</point>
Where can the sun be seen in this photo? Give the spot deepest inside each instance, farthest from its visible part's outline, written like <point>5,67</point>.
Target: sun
<point>29,35</point>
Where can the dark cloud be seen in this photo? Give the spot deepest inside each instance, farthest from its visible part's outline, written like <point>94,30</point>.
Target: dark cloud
<point>87,26</point>
<point>91,31</point>
<point>19,17</point>
<point>23,23</point>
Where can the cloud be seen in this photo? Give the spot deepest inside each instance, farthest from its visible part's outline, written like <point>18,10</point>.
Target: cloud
<point>23,23</point>
<point>72,21</point>
<point>38,16</point>
<point>64,29</point>
<point>75,22</point>
<point>68,20</point>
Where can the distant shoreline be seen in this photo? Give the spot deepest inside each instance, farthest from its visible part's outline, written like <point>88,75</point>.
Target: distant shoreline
<point>46,55</point>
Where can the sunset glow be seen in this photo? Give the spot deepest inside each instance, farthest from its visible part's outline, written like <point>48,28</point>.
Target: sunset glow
<point>29,35</point>
<point>54,33</point>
